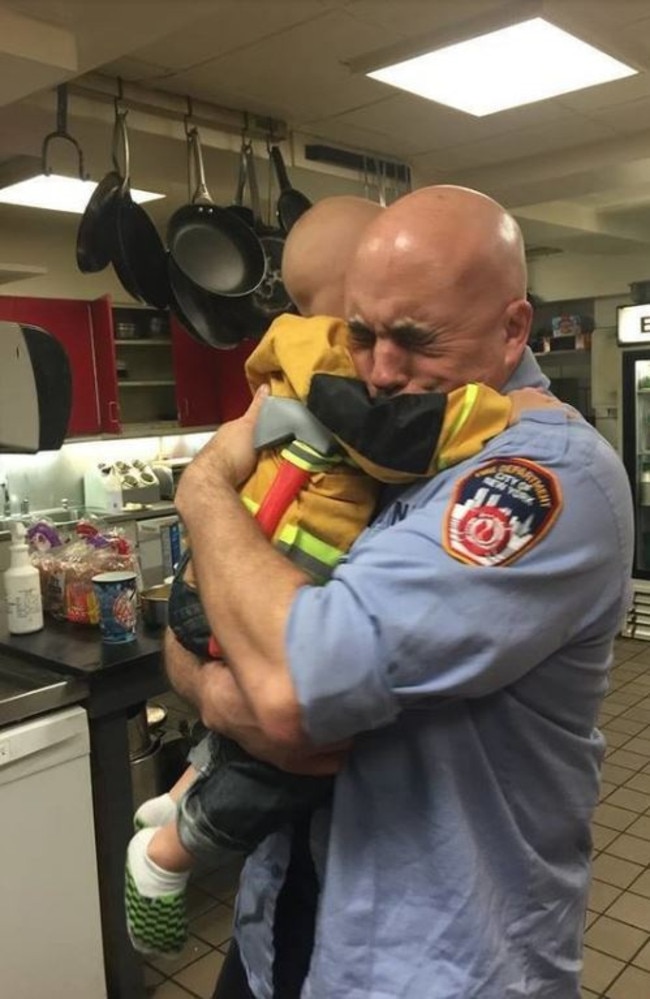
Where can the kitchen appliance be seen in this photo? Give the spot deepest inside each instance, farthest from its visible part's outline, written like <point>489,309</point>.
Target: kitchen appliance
<point>633,334</point>
<point>108,488</point>
<point>159,548</point>
<point>50,930</point>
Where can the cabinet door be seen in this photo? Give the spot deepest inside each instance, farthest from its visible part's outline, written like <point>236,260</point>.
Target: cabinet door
<point>210,384</point>
<point>102,326</point>
<point>71,323</point>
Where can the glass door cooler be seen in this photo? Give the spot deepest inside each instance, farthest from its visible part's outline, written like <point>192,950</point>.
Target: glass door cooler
<point>635,399</point>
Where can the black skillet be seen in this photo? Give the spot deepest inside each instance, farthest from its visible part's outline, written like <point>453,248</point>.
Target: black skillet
<point>137,251</point>
<point>201,313</point>
<point>291,203</point>
<point>93,241</point>
<point>270,299</point>
<point>213,246</point>
<point>249,316</point>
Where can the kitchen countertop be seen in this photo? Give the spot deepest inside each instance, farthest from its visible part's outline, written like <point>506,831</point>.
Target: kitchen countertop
<point>162,508</point>
<point>27,690</point>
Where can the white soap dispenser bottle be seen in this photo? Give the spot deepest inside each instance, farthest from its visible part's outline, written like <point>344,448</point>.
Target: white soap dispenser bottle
<point>22,587</point>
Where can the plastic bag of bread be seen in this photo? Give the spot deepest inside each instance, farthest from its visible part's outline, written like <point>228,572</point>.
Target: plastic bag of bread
<point>67,571</point>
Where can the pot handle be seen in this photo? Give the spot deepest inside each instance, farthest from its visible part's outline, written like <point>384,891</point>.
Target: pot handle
<point>242,175</point>
<point>280,169</point>
<point>121,139</point>
<point>251,175</point>
<point>196,170</point>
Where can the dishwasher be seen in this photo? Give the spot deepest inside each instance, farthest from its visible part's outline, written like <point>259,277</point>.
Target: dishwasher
<point>50,930</point>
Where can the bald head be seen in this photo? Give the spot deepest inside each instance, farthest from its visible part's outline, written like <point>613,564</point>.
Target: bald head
<point>447,263</point>
<point>319,249</point>
<point>457,236</point>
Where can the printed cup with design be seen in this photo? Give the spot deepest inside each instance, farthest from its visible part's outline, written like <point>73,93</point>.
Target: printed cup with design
<point>117,598</point>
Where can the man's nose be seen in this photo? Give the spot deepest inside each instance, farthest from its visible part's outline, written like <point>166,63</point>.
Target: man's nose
<point>390,367</point>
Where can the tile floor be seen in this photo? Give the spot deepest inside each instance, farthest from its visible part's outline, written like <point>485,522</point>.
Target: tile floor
<point>617,939</point>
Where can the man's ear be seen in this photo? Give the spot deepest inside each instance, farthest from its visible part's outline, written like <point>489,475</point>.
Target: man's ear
<point>517,322</point>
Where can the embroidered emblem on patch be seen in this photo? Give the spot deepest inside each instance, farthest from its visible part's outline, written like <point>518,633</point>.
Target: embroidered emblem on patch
<point>500,510</point>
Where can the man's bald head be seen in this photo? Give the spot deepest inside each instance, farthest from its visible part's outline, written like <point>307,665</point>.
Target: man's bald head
<point>448,264</point>
<point>456,235</point>
<point>318,250</point>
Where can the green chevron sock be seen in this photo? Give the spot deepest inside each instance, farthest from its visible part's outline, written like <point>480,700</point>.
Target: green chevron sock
<point>156,913</point>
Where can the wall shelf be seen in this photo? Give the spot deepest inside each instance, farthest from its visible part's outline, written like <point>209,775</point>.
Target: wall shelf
<point>148,383</point>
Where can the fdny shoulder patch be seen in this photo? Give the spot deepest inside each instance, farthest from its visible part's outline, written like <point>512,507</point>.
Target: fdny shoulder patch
<point>500,510</point>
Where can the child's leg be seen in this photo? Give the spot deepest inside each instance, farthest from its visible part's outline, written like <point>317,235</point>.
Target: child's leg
<point>157,869</point>
<point>162,809</point>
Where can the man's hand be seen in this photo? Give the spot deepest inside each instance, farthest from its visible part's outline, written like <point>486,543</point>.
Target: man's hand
<point>229,455</point>
<point>530,398</point>
<point>213,690</point>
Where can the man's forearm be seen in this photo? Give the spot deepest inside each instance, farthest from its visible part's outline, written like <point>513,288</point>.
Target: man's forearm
<point>213,689</point>
<point>182,669</point>
<point>247,587</point>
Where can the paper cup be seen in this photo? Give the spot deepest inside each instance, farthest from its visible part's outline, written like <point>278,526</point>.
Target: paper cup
<point>117,598</point>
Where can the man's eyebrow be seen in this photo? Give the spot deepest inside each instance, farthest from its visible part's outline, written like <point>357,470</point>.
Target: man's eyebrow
<point>410,330</point>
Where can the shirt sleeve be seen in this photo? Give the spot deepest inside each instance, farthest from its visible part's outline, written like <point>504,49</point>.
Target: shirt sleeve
<point>404,621</point>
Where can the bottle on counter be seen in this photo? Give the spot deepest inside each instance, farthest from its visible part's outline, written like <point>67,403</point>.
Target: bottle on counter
<point>22,587</point>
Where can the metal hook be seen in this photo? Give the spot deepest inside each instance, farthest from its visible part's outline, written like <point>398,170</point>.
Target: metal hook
<point>187,117</point>
<point>62,133</point>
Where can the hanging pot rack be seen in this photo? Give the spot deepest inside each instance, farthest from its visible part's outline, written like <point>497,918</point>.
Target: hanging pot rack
<point>173,107</point>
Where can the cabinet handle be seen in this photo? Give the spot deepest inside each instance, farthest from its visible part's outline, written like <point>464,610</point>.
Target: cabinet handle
<point>113,411</point>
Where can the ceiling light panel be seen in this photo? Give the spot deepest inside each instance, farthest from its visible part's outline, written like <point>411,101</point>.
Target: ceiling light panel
<point>520,64</point>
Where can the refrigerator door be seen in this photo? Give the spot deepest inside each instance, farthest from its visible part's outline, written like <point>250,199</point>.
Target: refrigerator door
<point>636,450</point>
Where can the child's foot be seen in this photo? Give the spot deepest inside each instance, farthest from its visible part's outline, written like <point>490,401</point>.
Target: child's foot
<point>155,812</point>
<point>155,903</point>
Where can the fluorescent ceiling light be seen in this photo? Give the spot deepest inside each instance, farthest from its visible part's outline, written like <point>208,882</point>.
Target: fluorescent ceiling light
<point>526,62</point>
<point>59,194</point>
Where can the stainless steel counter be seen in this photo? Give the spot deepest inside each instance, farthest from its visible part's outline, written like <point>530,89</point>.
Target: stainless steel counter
<point>27,690</point>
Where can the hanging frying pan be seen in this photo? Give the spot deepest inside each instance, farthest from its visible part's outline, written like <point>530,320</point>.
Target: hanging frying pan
<point>200,312</point>
<point>93,242</point>
<point>291,203</point>
<point>250,316</point>
<point>270,299</point>
<point>212,246</point>
<point>137,253</point>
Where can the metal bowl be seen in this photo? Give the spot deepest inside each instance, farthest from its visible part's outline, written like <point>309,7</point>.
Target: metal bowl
<point>153,605</point>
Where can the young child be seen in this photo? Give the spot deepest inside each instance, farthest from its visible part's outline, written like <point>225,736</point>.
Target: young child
<point>227,800</point>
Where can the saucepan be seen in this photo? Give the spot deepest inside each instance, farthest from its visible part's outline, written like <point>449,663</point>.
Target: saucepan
<point>153,605</point>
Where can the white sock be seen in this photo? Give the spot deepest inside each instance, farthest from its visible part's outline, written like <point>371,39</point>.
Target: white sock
<point>151,880</point>
<point>155,812</point>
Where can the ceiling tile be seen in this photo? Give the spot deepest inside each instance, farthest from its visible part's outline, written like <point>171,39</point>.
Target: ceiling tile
<point>319,83</point>
<point>624,117</point>
<point>415,125</point>
<point>608,94</point>
<point>232,25</point>
<point>574,130</point>
<point>409,18</point>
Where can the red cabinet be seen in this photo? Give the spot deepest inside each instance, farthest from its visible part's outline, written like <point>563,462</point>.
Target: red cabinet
<point>136,367</point>
<point>71,322</point>
<point>210,384</point>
